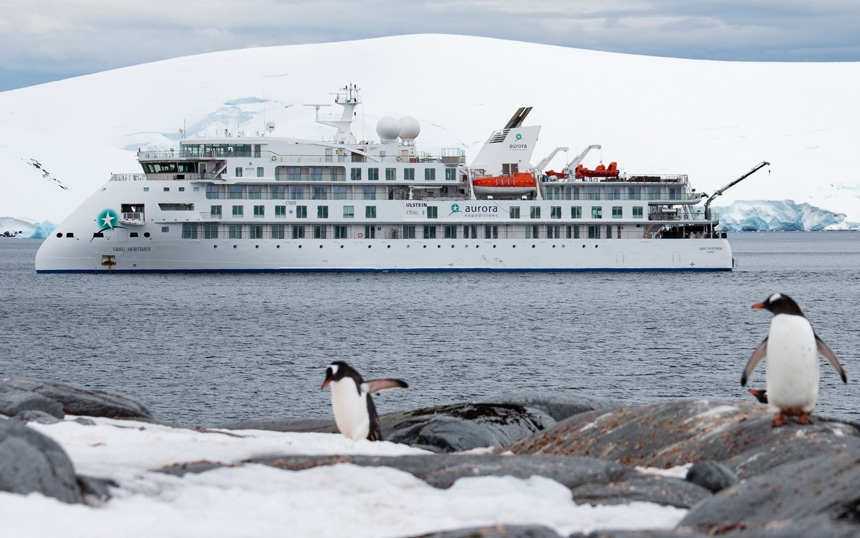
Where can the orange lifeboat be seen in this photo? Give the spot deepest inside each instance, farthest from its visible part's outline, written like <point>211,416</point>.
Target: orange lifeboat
<point>599,171</point>
<point>518,183</point>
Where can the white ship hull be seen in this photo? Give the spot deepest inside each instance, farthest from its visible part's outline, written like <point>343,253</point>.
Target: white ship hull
<point>265,204</point>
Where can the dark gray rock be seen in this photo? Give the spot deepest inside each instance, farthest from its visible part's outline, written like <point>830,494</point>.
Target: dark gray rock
<point>737,434</point>
<point>787,495</point>
<point>97,488</point>
<point>590,481</point>
<point>32,462</point>
<point>32,415</point>
<point>558,406</point>
<point>497,531</point>
<point>460,427</point>
<point>711,475</point>
<point>14,400</point>
<point>300,425</point>
<point>78,401</point>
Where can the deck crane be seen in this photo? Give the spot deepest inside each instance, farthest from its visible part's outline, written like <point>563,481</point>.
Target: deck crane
<point>578,159</point>
<point>718,192</point>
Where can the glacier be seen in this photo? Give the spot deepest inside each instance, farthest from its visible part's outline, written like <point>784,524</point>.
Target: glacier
<point>779,216</point>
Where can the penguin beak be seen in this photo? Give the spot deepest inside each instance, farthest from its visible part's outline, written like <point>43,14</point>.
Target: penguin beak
<point>326,382</point>
<point>758,306</point>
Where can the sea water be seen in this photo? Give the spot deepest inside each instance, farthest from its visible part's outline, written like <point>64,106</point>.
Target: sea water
<point>206,349</point>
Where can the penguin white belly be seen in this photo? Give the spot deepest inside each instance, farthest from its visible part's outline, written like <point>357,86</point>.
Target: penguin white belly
<point>791,365</point>
<point>350,409</point>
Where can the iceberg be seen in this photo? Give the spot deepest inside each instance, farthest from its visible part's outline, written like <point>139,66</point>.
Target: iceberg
<point>778,216</point>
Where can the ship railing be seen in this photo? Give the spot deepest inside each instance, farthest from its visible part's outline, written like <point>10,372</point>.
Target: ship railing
<point>638,178</point>
<point>136,176</point>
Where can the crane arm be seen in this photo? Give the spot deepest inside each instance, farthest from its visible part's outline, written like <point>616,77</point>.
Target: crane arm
<point>719,192</point>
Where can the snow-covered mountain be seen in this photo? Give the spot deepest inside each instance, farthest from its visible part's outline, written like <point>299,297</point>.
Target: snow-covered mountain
<point>712,120</point>
<point>779,216</point>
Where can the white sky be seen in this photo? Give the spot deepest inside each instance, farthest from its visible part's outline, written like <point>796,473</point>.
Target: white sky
<point>43,40</point>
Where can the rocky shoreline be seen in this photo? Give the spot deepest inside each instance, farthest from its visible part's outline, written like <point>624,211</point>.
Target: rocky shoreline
<point>742,477</point>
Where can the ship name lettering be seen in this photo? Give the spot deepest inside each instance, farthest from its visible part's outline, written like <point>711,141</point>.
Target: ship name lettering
<point>518,146</point>
<point>481,209</point>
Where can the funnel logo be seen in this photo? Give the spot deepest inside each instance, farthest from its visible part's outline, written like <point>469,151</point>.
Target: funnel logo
<point>455,208</point>
<point>108,220</point>
<point>518,143</point>
<point>519,136</point>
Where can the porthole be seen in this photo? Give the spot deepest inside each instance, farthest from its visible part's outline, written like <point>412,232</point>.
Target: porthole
<point>389,246</point>
<point>59,235</point>
<point>533,246</point>
<point>300,246</point>
<point>234,246</point>
<point>214,246</point>
<point>256,246</point>
<point>277,246</point>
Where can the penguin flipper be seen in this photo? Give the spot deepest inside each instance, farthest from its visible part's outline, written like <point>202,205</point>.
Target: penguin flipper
<point>756,357</point>
<point>828,354</point>
<point>375,386</point>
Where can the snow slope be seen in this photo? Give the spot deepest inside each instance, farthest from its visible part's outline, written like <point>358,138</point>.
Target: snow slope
<point>711,120</point>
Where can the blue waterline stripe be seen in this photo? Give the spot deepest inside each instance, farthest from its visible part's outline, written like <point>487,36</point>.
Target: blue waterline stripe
<point>479,270</point>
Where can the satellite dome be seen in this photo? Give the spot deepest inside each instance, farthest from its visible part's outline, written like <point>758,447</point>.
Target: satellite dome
<point>409,128</point>
<point>388,128</point>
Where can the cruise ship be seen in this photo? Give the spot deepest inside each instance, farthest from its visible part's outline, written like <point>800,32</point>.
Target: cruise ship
<point>263,203</point>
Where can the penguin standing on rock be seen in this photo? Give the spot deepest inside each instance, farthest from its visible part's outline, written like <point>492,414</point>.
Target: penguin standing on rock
<point>791,349</point>
<point>354,412</point>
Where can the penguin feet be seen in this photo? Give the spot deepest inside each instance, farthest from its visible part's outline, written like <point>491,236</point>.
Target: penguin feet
<point>778,420</point>
<point>803,418</point>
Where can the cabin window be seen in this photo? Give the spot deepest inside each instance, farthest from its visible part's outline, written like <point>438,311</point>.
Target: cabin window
<point>348,211</point>
<point>553,232</point>
<point>576,232</point>
<point>429,174</point>
<point>280,211</point>
<point>409,232</point>
<point>614,193</point>
<point>370,232</point>
<point>238,171</point>
<point>260,171</point>
<point>259,211</point>
<point>255,192</point>
<point>450,232</point>
<point>450,174</point>
<point>320,193</point>
<point>409,174</point>
<point>609,232</point>
<point>616,212</point>
<point>319,232</point>
<point>297,192</point>
<point>257,231</point>
<point>234,231</point>
<point>370,193</point>
<point>212,192</point>
<point>316,173</point>
<point>576,212</point>
<point>637,212</point>
<point>164,230</point>
<point>596,212</point>
<point>370,212</point>
<point>298,232</point>
<point>373,174</point>
<point>576,195</point>
<point>355,174</point>
<point>338,192</point>
<point>634,193</point>
<point>555,212</point>
<point>235,192</point>
<point>390,174</point>
<point>515,211</point>
<point>322,212</point>
<point>470,231</point>
<point>674,193</point>
<point>534,212</point>
<point>653,193</point>
<point>277,231</point>
<point>294,173</point>
<point>215,211</point>
<point>332,175</point>
<point>301,211</point>
<point>594,232</point>
<point>432,212</point>
<point>491,232</point>
<point>340,232</point>
<point>429,232</point>
<point>238,211</point>
<point>210,231</point>
<point>533,232</point>
<point>276,192</point>
<point>593,193</point>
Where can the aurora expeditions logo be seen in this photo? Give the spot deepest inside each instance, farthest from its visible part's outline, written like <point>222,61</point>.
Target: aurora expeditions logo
<point>108,220</point>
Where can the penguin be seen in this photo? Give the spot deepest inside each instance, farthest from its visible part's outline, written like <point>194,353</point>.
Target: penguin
<point>351,401</point>
<point>760,395</point>
<point>791,349</point>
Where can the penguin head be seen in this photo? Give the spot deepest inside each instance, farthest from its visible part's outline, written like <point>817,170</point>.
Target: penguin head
<point>780,303</point>
<point>337,370</point>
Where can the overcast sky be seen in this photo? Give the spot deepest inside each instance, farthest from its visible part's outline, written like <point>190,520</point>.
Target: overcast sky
<point>44,40</point>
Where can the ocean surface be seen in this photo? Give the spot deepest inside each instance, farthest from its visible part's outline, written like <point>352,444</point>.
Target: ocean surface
<point>215,348</point>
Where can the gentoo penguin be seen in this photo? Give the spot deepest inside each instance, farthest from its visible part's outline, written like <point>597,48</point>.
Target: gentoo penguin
<point>354,412</point>
<point>791,349</point>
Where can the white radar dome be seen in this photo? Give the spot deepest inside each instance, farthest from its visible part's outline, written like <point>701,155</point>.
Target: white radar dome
<point>388,128</point>
<point>409,128</point>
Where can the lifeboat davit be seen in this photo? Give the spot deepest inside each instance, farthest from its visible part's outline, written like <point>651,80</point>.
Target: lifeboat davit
<point>599,171</point>
<point>518,183</point>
